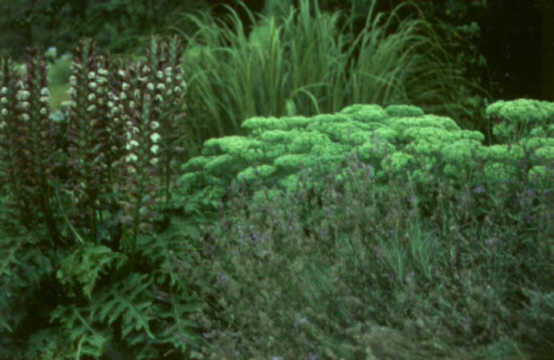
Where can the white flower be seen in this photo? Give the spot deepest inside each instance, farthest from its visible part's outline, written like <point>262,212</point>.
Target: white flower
<point>91,108</point>
<point>43,99</point>
<point>154,125</point>
<point>131,158</point>
<point>69,103</point>
<point>154,149</point>
<point>159,98</point>
<point>4,90</point>
<point>131,144</point>
<point>44,91</point>
<point>91,75</point>
<point>22,95</point>
<point>125,86</point>
<point>160,86</point>
<point>91,97</point>
<point>92,85</point>
<point>43,111</point>
<point>3,100</point>
<point>72,80</point>
<point>121,73</point>
<point>160,74</point>
<point>150,86</point>
<point>155,137</point>
<point>154,161</point>
<point>4,112</point>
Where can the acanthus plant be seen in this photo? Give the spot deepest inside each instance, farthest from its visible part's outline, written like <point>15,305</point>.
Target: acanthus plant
<point>119,133</point>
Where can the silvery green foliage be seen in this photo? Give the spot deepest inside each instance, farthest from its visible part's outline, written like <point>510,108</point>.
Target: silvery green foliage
<point>387,140</point>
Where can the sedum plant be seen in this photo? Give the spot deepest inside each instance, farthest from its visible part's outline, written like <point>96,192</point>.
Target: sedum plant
<point>111,154</point>
<point>388,140</point>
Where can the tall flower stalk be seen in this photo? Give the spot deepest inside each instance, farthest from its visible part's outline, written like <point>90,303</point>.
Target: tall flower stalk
<point>120,124</point>
<point>25,140</point>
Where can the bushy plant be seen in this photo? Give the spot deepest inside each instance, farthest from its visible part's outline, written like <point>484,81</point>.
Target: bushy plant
<point>387,140</point>
<point>347,270</point>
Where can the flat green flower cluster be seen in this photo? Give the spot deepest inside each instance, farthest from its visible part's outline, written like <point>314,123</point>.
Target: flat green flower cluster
<point>387,141</point>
